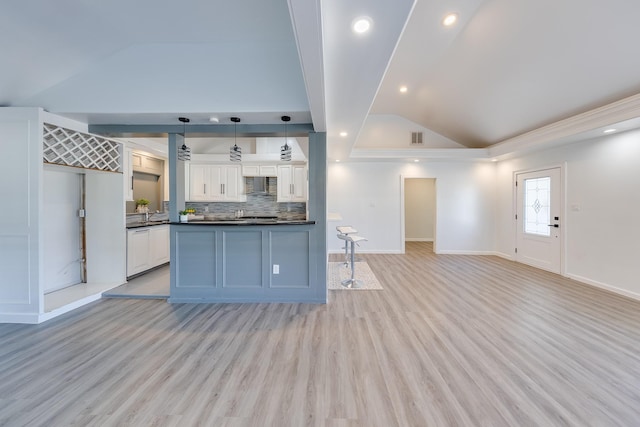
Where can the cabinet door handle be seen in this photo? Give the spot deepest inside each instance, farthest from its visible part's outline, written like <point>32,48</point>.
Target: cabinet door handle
<point>205,188</point>
<point>131,182</point>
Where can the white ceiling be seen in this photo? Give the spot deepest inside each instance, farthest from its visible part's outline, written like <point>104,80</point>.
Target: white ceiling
<point>506,68</point>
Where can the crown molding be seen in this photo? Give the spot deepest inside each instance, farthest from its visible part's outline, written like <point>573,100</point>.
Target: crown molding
<point>420,153</point>
<point>568,130</point>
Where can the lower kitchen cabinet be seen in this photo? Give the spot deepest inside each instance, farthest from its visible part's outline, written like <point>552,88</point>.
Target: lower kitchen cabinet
<point>147,247</point>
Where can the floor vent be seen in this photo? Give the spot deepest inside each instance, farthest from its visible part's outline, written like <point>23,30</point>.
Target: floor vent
<point>416,138</point>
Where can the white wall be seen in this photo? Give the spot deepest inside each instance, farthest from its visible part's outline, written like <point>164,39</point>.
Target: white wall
<point>105,228</point>
<point>602,235</point>
<point>419,209</point>
<point>20,190</point>
<point>368,197</point>
<point>391,131</point>
<point>21,222</point>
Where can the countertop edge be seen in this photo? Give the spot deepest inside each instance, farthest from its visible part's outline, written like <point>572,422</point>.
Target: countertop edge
<point>244,224</point>
<point>149,224</point>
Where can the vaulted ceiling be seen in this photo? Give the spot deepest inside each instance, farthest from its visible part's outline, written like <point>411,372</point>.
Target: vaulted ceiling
<point>507,67</point>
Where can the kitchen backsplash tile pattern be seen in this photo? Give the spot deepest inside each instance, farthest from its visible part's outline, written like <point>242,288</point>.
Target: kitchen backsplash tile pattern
<point>256,205</point>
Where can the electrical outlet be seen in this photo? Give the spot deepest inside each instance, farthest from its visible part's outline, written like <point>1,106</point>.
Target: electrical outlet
<point>276,268</point>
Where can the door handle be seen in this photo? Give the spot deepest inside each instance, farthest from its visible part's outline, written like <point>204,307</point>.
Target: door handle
<point>554,225</point>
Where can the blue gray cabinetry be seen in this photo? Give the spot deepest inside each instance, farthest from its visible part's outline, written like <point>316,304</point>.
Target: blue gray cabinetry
<point>245,263</point>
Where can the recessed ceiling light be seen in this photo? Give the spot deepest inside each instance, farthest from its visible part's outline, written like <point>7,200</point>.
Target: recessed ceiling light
<point>343,134</point>
<point>450,19</point>
<point>610,130</point>
<point>416,160</point>
<point>361,25</point>
<point>337,160</point>
<point>214,119</point>
<point>494,160</point>
<point>403,89</point>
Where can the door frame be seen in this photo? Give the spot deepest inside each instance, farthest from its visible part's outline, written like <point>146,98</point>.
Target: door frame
<point>403,242</point>
<point>562,209</point>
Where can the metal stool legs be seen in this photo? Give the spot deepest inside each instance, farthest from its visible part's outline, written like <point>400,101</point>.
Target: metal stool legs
<point>352,282</point>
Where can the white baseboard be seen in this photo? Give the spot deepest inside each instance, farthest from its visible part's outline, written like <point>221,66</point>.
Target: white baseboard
<point>68,307</point>
<point>26,318</point>
<point>604,286</point>
<point>505,256</point>
<point>418,239</point>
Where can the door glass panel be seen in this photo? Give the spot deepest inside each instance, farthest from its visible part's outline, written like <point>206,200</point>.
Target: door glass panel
<point>537,213</point>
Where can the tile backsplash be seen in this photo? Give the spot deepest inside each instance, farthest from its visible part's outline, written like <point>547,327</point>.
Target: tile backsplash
<point>256,205</point>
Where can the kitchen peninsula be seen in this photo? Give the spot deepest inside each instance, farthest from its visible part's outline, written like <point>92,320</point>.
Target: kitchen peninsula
<point>250,260</point>
<point>243,260</point>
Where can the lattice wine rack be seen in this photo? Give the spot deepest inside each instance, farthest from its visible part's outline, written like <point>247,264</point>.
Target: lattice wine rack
<point>71,148</point>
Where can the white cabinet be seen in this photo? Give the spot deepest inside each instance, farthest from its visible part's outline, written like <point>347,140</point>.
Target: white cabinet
<point>159,245</point>
<point>215,183</point>
<point>137,250</point>
<point>292,183</point>
<point>147,247</point>
<point>199,180</point>
<point>260,170</point>
<point>127,174</point>
<point>146,164</point>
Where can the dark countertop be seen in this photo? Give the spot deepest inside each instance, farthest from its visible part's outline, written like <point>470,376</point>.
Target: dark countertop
<point>146,224</point>
<point>246,222</point>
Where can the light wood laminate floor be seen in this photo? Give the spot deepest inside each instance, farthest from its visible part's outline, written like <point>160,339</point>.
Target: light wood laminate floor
<point>450,341</point>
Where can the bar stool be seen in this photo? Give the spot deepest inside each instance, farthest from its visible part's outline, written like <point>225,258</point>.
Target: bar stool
<point>352,282</point>
<point>343,232</point>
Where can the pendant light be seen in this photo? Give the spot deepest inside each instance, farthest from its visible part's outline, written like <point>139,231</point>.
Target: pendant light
<point>184,152</point>
<point>285,150</point>
<point>235,152</point>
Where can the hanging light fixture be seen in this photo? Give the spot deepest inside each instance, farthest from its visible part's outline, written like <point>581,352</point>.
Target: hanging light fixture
<point>184,152</point>
<point>235,152</point>
<point>285,150</point>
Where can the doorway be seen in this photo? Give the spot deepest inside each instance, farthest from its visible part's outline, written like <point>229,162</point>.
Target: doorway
<point>538,219</point>
<point>419,207</point>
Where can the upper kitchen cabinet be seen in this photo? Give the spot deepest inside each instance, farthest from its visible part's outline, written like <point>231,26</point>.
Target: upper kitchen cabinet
<point>147,164</point>
<point>260,170</point>
<point>292,183</point>
<point>215,183</point>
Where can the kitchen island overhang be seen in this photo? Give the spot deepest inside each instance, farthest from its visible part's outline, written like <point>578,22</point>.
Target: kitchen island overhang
<point>246,261</point>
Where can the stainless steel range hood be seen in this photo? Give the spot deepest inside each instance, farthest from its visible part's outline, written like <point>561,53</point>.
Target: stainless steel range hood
<point>260,185</point>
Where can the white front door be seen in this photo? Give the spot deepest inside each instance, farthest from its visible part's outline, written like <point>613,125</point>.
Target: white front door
<point>538,221</point>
